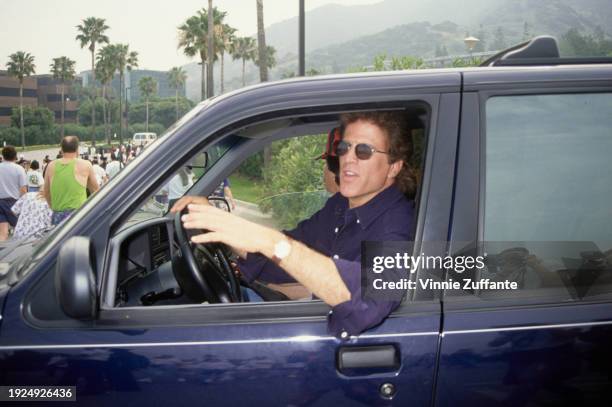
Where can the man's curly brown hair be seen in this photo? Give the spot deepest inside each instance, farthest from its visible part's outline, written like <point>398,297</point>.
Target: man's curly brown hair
<point>394,124</point>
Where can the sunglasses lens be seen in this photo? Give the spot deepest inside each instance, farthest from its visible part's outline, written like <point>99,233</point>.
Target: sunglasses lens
<point>342,148</point>
<point>363,151</point>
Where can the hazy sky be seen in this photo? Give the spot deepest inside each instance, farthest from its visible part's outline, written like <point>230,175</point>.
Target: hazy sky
<point>46,28</point>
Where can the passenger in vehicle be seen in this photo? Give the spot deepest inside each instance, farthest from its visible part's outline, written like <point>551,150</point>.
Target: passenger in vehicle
<point>323,253</point>
<point>331,181</point>
<point>331,170</point>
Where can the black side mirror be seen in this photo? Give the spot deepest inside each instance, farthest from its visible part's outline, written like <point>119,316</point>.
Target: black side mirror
<point>75,282</point>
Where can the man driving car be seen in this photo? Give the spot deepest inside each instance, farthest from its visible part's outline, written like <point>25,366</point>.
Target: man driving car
<point>323,252</point>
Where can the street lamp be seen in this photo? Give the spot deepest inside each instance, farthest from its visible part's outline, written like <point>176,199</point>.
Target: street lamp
<point>470,43</point>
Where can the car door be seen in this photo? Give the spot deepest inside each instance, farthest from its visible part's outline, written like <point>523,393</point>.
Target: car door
<point>241,354</point>
<point>533,189</point>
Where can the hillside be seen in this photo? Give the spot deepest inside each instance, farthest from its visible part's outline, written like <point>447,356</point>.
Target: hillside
<point>342,37</point>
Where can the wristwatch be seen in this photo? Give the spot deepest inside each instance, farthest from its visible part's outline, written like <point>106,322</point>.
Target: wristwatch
<point>282,249</point>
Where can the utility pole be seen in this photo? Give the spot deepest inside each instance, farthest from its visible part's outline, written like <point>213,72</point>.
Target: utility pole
<point>210,88</point>
<point>302,41</point>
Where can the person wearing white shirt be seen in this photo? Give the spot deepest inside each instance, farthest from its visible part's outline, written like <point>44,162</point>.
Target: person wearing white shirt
<point>113,167</point>
<point>35,177</point>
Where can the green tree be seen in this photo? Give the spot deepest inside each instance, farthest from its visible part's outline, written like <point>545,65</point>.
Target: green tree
<point>462,63</point>
<point>293,182</point>
<point>20,66</point>
<point>39,124</point>
<point>225,38</point>
<point>90,33</point>
<point>161,110</point>
<point>177,78</point>
<point>379,62</point>
<point>261,44</point>
<point>62,69</point>
<point>105,71</point>
<point>123,59</point>
<point>407,62</point>
<point>574,43</point>
<point>270,57</point>
<point>148,87</point>
<point>193,36</point>
<point>244,48</point>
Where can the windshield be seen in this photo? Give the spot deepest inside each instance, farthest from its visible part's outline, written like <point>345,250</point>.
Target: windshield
<point>179,183</point>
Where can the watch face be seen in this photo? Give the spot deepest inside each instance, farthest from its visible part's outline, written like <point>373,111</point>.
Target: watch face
<point>282,249</point>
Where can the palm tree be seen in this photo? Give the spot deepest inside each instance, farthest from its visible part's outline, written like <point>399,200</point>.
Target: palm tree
<point>123,60</point>
<point>148,87</point>
<point>91,32</point>
<point>105,71</point>
<point>193,36</point>
<point>225,39</point>
<point>21,65</point>
<point>177,77</point>
<point>243,48</point>
<point>270,57</point>
<point>261,43</point>
<point>62,69</point>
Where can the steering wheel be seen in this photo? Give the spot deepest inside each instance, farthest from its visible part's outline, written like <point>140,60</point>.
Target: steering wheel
<point>208,277</point>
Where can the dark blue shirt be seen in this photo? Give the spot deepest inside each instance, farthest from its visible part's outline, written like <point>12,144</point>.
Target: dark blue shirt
<point>337,231</point>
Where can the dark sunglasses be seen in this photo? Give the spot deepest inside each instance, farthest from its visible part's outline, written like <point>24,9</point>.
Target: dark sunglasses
<point>362,151</point>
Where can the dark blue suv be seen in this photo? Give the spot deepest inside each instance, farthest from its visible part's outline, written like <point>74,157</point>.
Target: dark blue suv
<point>515,163</point>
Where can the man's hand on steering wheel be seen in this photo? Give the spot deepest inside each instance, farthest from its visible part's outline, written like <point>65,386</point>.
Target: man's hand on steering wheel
<point>209,277</point>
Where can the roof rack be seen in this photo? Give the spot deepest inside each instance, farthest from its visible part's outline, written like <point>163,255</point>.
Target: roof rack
<point>542,50</point>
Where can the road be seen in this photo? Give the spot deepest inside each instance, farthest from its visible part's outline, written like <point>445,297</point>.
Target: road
<point>39,154</point>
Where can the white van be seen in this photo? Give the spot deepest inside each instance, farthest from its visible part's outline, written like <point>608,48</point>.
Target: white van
<point>143,139</point>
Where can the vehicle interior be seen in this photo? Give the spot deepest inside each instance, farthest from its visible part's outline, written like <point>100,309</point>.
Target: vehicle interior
<point>153,263</point>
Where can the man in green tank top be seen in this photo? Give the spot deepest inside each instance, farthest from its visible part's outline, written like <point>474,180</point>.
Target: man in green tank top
<point>66,181</point>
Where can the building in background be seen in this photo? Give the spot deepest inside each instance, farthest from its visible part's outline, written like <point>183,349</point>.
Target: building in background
<point>38,90</point>
<point>9,95</point>
<point>50,96</point>
<point>131,83</point>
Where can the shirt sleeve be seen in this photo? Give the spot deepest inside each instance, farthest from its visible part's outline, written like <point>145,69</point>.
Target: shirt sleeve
<point>357,314</point>
<point>259,267</point>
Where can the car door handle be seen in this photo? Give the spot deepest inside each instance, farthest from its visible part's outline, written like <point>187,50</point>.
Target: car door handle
<point>374,358</point>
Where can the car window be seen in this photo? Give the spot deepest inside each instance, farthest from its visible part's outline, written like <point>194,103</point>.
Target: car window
<point>178,184</point>
<point>284,190</point>
<point>547,192</point>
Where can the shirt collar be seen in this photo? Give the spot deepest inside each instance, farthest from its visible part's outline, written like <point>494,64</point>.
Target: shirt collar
<point>375,207</point>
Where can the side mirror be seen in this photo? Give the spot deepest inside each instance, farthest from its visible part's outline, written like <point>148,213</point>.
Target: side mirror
<point>219,202</point>
<point>75,282</point>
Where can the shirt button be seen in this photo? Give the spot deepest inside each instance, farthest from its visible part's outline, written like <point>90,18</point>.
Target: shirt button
<point>357,220</point>
<point>336,257</point>
<point>336,230</point>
